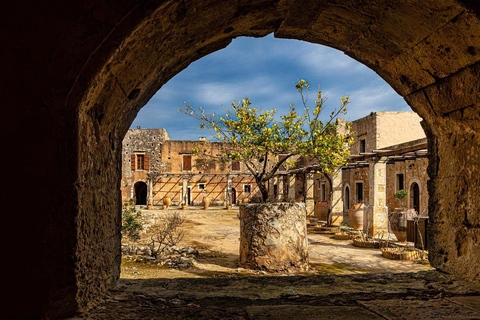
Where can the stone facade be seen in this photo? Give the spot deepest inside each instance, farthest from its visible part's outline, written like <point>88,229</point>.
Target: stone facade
<point>392,157</point>
<point>171,169</point>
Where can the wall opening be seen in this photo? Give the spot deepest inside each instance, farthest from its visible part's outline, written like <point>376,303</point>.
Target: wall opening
<point>140,194</point>
<point>415,197</point>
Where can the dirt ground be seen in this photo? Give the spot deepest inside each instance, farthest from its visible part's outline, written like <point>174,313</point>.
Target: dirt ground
<point>345,282</point>
<point>215,234</point>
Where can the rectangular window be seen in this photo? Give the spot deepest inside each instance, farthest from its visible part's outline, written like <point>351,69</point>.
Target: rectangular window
<point>400,182</point>
<point>235,165</point>
<point>201,186</point>
<point>187,163</point>
<point>323,192</point>
<point>247,188</point>
<point>363,146</point>
<point>140,162</point>
<point>359,192</point>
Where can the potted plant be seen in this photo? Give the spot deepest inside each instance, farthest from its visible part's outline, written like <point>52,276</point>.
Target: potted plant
<point>263,143</point>
<point>398,218</point>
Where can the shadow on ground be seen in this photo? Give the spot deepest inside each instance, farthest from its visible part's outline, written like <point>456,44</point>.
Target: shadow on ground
<point>422,295</point>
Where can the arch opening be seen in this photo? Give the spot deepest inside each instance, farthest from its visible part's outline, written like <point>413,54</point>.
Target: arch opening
<point>392,49</point>
<point>140,193</point>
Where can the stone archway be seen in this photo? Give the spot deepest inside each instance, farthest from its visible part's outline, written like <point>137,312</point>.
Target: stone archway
<point>411,48</point>
<point>97,65</point>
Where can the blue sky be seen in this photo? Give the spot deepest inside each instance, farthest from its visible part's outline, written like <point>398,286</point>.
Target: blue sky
<point>265,70</point>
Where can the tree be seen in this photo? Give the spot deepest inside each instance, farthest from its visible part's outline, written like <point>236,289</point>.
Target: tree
<point>264,144</point>
<point>166,234</point>
<point>131,226</point>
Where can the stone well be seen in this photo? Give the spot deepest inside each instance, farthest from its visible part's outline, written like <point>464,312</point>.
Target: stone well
<point>273,237</point>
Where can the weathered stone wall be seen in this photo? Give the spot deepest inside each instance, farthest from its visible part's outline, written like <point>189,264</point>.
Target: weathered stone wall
<point>383,129</point>
<point>273,237</point>
<point>397,127</point>
<point>147,141</point>
<point>414,170</point>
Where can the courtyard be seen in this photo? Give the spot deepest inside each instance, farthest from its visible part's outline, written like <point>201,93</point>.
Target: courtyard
<point>344,282</point>
<point>215,233</point>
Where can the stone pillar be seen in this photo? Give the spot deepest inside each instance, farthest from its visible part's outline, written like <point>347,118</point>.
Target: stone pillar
<point>309,185</point>
<point>184,191</point>
<point>337,199</point>
<point>271,190</point>
<point>377,210</point>
<point>280,196</point>
<point>291,187</point>
<point>228,198</point>
<point>150,192</point>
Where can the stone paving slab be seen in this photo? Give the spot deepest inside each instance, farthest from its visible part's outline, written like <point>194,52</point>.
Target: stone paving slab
<point>421,309</point>
<point>423,295</point>
<point>472,302</point>
<point>309,312</point>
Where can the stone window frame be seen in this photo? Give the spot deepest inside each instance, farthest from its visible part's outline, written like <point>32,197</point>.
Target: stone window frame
<point>357,182</point>
<point>362,145</point>
<point>140,161</point>
<point>245,186</point>
<point>397,181</point>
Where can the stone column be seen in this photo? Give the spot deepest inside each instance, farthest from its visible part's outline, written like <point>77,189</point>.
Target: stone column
<point>228,198</point>
<point>377,210</point>
<point>291,187</point>
<point>337,199</point>
<point>150,192</point>
<point>280,196</point>
<point>309,185</point>
<point>184,191</point>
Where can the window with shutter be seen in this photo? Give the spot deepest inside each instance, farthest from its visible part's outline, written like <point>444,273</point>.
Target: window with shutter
<point>133,162</point>
<point>140,162</point>
<point>187,163</point>
<point>235,165</point>
<point>147,162</point>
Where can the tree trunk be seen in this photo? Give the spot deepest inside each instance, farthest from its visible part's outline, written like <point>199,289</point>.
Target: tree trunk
<point>263,189</point>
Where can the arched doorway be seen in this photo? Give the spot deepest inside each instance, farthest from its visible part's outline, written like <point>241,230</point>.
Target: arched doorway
<point>140,189</point>
<point>415,197</point>
<point>346,201</point>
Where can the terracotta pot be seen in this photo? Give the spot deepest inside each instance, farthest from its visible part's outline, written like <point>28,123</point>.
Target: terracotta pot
<point>149,207</point>
<point>244,200</point>
<point>321,210</point>
<point>184,207</point>
<point>398,222</point>
<point>206,202</point>
<point>166,202</point>
<point>355,214</point>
